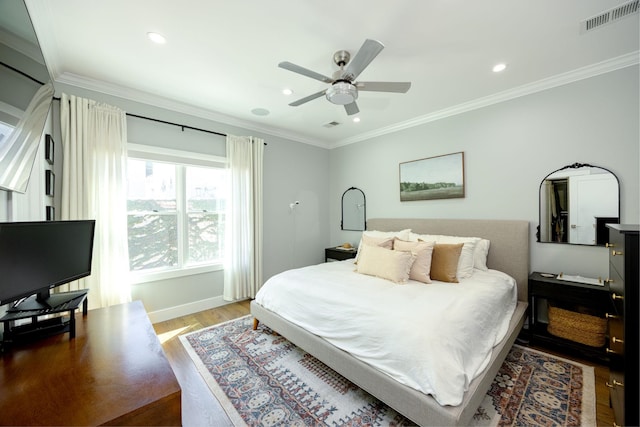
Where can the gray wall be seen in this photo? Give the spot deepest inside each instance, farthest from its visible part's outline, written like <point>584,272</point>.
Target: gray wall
<point>292,171</point>
<point>508,149</point>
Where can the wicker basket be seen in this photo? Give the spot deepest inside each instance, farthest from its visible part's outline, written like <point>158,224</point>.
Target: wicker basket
<point>583,328</point>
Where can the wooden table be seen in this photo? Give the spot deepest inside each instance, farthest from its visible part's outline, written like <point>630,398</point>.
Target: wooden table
<point>114,372</point>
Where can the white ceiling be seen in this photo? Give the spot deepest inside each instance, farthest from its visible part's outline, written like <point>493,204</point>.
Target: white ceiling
<point>220,60</point>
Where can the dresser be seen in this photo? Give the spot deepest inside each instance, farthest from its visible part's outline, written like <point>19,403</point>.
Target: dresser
<point>623,323</point>
<point>113,372</point>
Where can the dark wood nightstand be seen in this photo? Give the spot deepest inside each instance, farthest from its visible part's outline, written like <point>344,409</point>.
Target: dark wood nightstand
<point>573,296</point>
<point>339,254</point>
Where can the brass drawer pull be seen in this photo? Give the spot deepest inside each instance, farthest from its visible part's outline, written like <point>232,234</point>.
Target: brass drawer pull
<point>617,340</point>
<point>608,350</point>
<point>610,281</point>
<point>609,245</point>
<point>608,385</point>
<point>615,296</point>
<point>618,383</point>
<point>611,316</point>
<point>614,253</point>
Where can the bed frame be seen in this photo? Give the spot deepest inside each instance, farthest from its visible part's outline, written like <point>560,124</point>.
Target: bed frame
<point>508,252</point>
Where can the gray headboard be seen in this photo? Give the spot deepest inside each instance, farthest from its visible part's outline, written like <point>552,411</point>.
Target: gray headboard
<point>508,252</point>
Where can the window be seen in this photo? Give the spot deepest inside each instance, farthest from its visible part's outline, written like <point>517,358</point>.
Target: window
<point>175,214</point>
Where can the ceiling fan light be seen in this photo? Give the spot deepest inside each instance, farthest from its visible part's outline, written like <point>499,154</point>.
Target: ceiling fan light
<point>342,93</point>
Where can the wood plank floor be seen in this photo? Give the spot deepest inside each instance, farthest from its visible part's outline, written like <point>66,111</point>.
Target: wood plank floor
<point>200,408</point>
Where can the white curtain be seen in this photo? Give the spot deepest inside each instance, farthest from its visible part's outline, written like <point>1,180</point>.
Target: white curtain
<point>93,187</point>
<point>243,242</point>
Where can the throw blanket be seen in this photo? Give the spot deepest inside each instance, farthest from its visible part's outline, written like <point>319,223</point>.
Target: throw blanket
<point>435,338</point>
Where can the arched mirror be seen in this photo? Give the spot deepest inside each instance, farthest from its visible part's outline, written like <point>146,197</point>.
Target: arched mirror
<point>576,203</point>
<point>354,210</point>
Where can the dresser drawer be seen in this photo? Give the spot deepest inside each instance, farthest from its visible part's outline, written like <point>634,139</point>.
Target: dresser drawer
<point>616,335</point>
<point>616,288</point>
<point>616,253</point>
<point>616,395</point>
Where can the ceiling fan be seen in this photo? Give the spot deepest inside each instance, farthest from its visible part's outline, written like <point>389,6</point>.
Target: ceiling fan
<point>344,87</point>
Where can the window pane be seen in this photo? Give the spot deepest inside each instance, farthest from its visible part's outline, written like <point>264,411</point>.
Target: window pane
<point>151,186</point>
<point>152,241</point>
<point>205,189</point>
<point>205,234</point>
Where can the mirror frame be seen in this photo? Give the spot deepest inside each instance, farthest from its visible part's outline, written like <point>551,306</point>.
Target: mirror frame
<point>364,219</point>
<point>572,166</point>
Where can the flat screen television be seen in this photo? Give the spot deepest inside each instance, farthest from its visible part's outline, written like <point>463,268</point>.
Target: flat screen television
<point>38,256</point>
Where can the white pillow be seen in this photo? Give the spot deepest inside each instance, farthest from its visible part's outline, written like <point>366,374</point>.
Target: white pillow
<point>466,261</point>
<point>480,254</point>
<point>385,263</point>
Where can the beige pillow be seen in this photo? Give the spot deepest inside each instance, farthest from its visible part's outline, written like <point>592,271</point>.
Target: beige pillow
<point>467,256</point>
<point>421,268</point>
<point>444,261</point>
<point>385,263</point>
<point>383,242</point>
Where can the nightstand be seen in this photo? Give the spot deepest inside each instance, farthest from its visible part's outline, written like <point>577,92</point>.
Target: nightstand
<point>336,254</point>
<point>572,296</point>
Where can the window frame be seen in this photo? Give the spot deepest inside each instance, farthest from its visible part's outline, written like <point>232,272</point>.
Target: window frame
<point>182,160</point>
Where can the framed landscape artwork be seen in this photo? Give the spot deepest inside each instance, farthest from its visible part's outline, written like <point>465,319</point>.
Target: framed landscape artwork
<point>440,177</point>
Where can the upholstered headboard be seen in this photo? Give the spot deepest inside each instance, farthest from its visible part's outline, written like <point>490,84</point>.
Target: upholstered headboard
<point>508,252</point>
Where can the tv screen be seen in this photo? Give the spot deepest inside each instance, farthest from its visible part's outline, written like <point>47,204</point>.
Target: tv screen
<point>37,256</point>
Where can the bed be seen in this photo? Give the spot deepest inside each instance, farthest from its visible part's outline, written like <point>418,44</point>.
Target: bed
<point>508,253</point>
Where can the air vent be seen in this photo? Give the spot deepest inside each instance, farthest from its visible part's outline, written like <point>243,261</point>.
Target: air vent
<point>610,16</point>
<point>331,124</point>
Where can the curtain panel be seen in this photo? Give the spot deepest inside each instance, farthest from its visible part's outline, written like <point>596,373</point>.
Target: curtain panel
<point>94,138</point>
<point>243,231</point>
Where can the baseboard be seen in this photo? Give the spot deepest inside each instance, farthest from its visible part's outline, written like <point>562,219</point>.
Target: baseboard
<point>185,309</point>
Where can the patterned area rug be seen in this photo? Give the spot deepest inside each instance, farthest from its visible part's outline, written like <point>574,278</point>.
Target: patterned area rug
<point>261,379</point>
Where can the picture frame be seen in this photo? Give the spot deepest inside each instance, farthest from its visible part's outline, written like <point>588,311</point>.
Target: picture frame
<point>439,177</point>
<point>51,213</point>
<point>49,148</point>
<point>50,181</point>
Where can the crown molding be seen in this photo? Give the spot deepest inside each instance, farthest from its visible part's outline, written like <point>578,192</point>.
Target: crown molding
<point>592,70</point>
<point>179,107</point>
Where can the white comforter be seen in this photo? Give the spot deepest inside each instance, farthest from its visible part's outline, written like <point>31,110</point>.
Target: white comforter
<point>435,337</point>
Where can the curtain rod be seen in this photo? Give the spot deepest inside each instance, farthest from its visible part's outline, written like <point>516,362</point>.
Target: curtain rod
<point>171,123</point>
<point>175,124</point>
<point>21,73</point>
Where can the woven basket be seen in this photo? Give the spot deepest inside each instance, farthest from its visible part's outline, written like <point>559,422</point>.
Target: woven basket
<point>583,328</point>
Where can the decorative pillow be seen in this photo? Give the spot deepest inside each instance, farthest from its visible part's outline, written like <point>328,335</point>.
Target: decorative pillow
<point>466,262</point>
<point>374,234</point>
<point>444,261</point>
<point>385,263</point>
<point>383,242</point>
<point>421,268</point>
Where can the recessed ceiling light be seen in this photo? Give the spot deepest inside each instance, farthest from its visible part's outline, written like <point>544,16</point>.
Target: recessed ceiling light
<point>356,120</point>
<point>287,92</point>
<point>156,38</point>
<point>260,111</point>
<point>499,67</point>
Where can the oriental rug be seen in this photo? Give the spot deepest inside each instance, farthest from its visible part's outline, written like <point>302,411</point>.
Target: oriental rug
<point>261,379</point>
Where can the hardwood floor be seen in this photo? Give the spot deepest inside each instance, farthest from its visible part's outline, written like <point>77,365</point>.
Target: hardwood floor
<point>200,408</point>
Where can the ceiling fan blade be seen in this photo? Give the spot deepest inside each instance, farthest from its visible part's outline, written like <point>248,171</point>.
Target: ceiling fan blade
<point>352,108</point>
<point>307,98</point>
<point>369,50</point>
<point>305,72</point>
<point>398,87</point>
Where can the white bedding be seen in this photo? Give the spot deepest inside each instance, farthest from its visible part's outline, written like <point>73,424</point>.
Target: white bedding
<point>435,338</point>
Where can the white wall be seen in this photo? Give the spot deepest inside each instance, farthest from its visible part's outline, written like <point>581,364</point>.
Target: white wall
<point>509,148</point>
<point>292,171</point>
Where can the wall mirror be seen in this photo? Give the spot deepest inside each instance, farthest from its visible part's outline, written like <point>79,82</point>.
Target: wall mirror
<point>354,210</point>
<point>576,202</point>
<point>26,94</point>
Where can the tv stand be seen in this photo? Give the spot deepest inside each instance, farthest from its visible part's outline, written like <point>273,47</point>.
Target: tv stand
<point>32,307</point>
